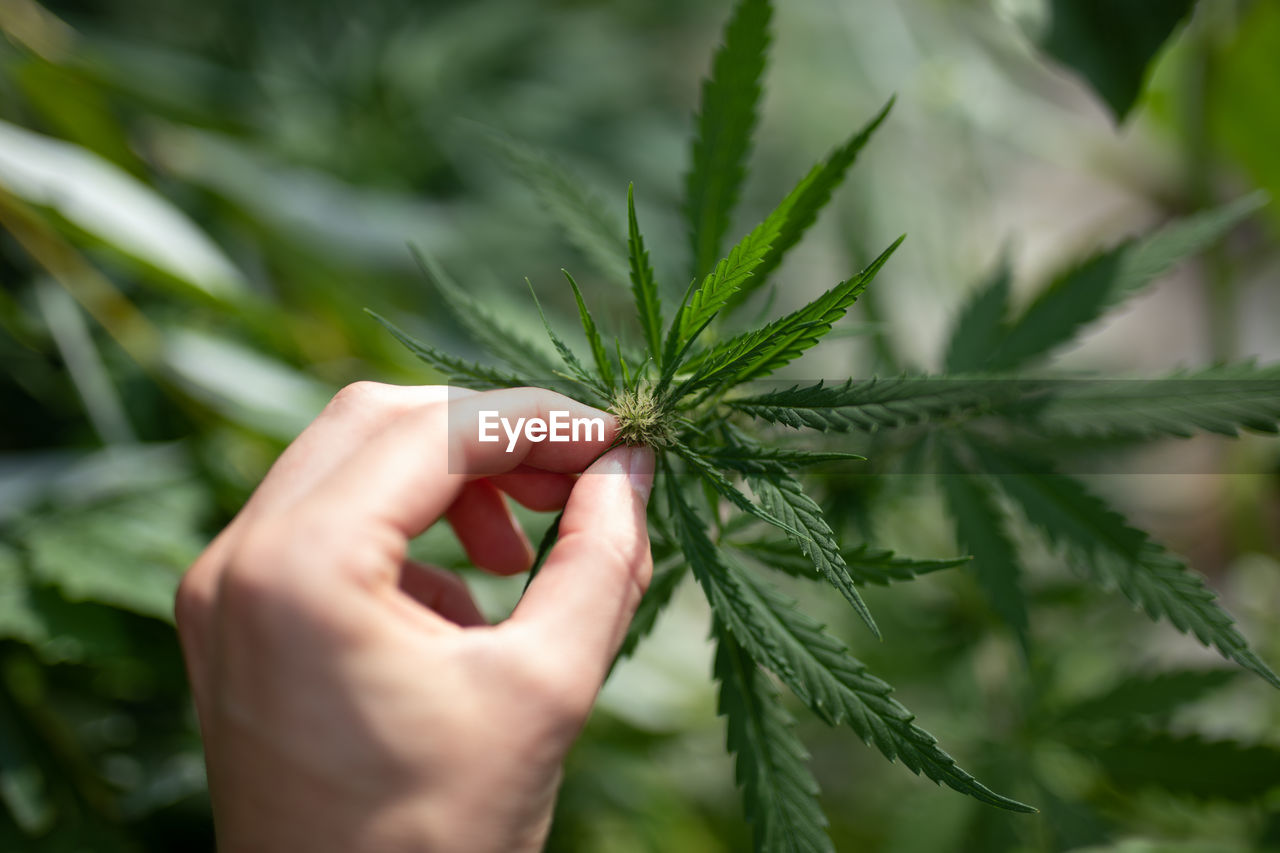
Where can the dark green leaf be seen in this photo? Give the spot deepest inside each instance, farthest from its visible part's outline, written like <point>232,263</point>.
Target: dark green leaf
<point>980,530</point>
<point>721,484</point>
<point>1140,695</point>
<point>780,794</point>
<point>783,496</point>
<point>1107,548</point>
<point>664,584</point>
<point>1189,765</point>
<point>874,404</point>
<point>759,459</point>
<point>816,666</point>
<point>1111,42</point>
<point>722,140</point>
<point>866,565</point>
<point>981,325</point>
<point>1222,400</point>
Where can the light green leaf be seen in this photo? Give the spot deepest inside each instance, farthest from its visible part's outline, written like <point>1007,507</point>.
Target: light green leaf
<point>483,325</point>
<point>808,198</point>
<point>756,354</point>
<point>1085,293</point>
<point>128,552</point>
<point>643,286</point>
<point>598,352</point>
<point>103,200</point>
<point>457,371</point>
<point>586,223</point>
<point>722,140</point>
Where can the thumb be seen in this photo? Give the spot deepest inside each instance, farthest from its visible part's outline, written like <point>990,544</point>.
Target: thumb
<point>582,600</point>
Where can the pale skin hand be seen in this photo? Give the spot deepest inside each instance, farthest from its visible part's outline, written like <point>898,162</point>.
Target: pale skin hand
<point>353,701</point>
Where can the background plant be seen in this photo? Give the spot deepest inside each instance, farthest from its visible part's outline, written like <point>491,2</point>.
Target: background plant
<point>310,143</point>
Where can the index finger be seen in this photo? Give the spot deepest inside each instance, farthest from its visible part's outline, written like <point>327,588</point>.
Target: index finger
<point>408,475</point>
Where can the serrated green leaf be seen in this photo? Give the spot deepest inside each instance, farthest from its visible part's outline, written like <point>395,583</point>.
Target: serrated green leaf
<point>1222,400</point>
<point>981,324</point>
<point>759,459</point>
<point>644,288</point>
<point>784,497</point>
<point>758,353</point>
<point>1106,547</point>
<point>808,198</point>
<point>457,371</point>
<point>482,324</point>
<point>874,404</point>
<point>577,372</point>
<point>1190,765</point>
<point>729,274</point>
<point>780,794</point>
<point>866,565</point>
<point>980,530</point>
<point>598,352</point>
<point>813,664</point>
<point>586,222</point>
<point>712,476</point>
<point>724,125</point>
<point>1085,293</point>
<point>1111,42</point>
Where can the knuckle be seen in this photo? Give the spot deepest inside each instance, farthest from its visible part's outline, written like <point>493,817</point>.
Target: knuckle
<point>193,599</point>
<point>361,395</point>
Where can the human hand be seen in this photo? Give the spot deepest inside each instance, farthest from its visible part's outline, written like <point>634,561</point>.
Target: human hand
<point>352,700</point>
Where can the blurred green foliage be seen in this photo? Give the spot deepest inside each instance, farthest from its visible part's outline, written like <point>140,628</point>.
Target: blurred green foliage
<point>221,188</point>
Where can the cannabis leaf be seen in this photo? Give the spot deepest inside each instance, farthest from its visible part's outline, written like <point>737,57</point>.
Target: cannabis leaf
<point>816,666</point>
<point>725,121</point>
<point>1085,293</point>
<point>1107,547</point>
<point>1222,400</point>
<point>770,758</point>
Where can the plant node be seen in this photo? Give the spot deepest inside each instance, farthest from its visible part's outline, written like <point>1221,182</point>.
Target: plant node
<point>642,418</point>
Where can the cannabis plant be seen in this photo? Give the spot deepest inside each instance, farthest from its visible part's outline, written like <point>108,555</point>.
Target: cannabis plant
<point>728,501</point>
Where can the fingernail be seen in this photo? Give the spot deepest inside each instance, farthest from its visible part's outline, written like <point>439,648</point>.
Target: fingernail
<point>640,471</point>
